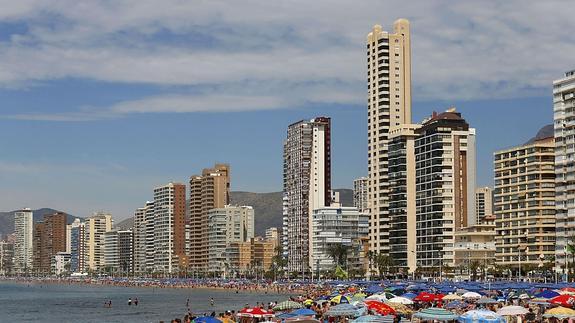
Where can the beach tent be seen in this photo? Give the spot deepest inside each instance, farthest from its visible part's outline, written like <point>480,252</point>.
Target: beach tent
<point>481,316</point>
<point>434,313</point>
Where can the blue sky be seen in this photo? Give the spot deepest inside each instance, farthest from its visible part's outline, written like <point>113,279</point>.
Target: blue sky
<point>103,100</point>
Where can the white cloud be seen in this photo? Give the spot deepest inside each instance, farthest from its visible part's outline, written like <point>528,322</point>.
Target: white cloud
<point>251,51</point>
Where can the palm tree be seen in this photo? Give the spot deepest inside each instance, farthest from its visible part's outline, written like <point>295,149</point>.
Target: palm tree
<point>338,252</point>
<point>384,262</point>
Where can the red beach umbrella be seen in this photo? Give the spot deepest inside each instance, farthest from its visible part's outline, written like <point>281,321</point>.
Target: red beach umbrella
<point>379,307</point>
<point>255,312</point>
<point>428,297</point>
<point>563,300</point>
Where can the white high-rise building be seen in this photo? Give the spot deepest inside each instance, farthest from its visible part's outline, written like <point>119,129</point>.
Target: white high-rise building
<point>169,227</point>
<point>23,232</point>
<point>118,251</point>
<point>332,225</point>
<point>307,186</point>
<point>96,225</point>
<point>564,126</point>
<point>226,225</point>
<point>389,105</point>
<point>360,194</point>
<point>143,232</point>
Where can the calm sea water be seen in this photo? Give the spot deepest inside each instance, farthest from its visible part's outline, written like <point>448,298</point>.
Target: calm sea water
<point>79,303</point>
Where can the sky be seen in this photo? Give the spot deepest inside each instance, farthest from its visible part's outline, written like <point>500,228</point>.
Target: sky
<point>101,101</point>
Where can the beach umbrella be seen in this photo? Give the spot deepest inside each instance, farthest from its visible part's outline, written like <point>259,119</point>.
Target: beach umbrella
<point>409,295</point>
<point>340,299</point>
<point>563,300</point>
<point>302,319</point>
<point>374,319</point>
<point>455,305</point>
<point>400,308</point>
<point>560,312</point>
<point>481,316</point>
<point>374,289</point>
<point>377,297</point>
<point>309,302</point>
<point>567,290</point>
<point>400,300</point>
<point>255,312</point>
<point>207,319</point>
<point>434,313</point>
<point>284,316</point>
<point>379,307</point>
<point>360,294</point>
<point>342,310</point>
<point>303,312</point>
<point>486,300</point>
<point>547,294</point>
<point>470,295</point>
<point>427,297</point>
<point>452,297</point>
<point>512,310</point>
<point>288,305</point>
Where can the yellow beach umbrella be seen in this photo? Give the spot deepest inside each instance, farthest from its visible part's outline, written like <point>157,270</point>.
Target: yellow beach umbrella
<point>340,299</point>
<point>561,311</point>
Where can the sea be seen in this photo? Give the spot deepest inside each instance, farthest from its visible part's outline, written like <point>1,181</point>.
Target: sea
<point>21,302</point>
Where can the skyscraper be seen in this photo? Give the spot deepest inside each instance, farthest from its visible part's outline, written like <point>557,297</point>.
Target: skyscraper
<point>564,126</point>
<point>207,191</point>
<point>49,239</point>
<point>360,194</point>
<point>23,230</point>
<point>445,186</point>
<point>525,204</point>
<point>77,242</point>
<point>118,251</point>
<point>307,185</point>
<point>96,225</point>
<point>389,105</point>
<point>144,238</point>
<point>169,228</point>
<point>402,195</point>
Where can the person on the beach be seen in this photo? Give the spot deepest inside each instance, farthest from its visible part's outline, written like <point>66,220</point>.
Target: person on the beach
<point>129,301</point>
<point>212,301</point>
<point>136,301</point>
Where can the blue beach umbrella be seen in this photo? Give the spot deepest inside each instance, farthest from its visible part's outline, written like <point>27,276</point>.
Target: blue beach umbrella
<point>303,312</point>
<point>547,294</point>
<point>206,319</point>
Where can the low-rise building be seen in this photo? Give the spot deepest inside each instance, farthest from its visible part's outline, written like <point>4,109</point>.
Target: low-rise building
<point>337,225</point>
<point>474,248</point>
<point>60,263</point>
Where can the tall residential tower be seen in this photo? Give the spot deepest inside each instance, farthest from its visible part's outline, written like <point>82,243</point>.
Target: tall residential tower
<point>307,186</point>
<point>23,232</point>
<point>564,126</point>
<point>389,105</point>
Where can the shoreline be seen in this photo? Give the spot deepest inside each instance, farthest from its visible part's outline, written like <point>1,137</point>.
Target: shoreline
<point>238,287</point>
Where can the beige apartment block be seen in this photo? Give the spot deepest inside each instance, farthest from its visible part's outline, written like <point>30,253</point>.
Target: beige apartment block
<point>389,105</point>
<point>207,191</point>
<point>475,248</point>
<point>483,203</point>
<point>525,204</point>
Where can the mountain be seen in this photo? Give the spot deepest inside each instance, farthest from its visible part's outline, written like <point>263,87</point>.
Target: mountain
<point>267,208</point>
<point>7,219</point>
<point>545,132</point>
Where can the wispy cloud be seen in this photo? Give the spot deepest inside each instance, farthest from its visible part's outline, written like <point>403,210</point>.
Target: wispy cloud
<point>250,52</point>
